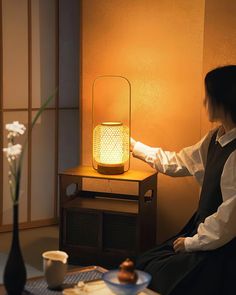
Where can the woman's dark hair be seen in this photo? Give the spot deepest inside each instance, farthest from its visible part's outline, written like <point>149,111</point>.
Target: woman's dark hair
<point>220,85</point>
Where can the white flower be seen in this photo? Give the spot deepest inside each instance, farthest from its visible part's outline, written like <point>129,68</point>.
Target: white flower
<point>13,151</point>
<point>15,128</point>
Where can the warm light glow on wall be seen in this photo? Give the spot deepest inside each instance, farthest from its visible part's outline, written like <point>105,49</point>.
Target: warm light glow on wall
<point>165,47</point>
<point>111,147</point>
<point>111,113</point>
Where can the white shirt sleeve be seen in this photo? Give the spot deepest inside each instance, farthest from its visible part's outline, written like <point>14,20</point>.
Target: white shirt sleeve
<point>189,161</point>
<point>220,227</point>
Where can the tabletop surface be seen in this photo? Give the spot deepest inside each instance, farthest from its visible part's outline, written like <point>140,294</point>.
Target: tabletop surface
<point>90,275</point>
<point>90,172</point>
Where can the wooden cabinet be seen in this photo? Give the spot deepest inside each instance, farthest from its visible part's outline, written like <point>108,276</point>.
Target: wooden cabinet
<point>105,228</point>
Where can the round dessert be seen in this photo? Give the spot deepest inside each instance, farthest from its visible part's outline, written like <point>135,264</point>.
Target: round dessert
<point>127,273</point>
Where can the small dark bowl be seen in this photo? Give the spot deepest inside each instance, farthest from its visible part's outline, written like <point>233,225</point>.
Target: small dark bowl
<point>112,282</point>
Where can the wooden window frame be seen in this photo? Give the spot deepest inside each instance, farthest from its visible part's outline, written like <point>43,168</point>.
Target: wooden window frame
<point>54,220</point>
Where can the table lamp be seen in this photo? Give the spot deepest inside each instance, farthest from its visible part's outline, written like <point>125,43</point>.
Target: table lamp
<point>111,124</point>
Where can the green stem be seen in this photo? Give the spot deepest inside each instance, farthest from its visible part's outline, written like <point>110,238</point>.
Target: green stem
<point>12,171</point>
<point>18,167</point>
<point>42,109</point>
<point>44,105</point>
<point>12,192</point>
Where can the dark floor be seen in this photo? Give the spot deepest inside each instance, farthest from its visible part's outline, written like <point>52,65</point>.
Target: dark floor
<point>33,243</point>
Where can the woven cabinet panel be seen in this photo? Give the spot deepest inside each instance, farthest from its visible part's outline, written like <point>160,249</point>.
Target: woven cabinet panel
<point>82,228</point>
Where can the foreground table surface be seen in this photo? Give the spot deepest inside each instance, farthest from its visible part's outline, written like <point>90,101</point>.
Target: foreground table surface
<point>91,276</point>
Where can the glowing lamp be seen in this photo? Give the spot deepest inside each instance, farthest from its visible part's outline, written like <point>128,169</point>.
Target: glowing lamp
<point>111,100</point>
<point>111,147</point>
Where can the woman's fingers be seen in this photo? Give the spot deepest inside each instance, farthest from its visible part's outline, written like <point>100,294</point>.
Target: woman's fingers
<point>178,245</point>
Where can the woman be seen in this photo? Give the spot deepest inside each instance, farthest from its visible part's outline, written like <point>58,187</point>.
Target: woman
<point>201,259</point>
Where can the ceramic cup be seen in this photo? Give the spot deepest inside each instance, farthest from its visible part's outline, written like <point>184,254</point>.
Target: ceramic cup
<point>55,268</point>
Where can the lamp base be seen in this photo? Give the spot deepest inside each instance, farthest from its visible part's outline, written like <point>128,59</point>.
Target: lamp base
<point>110,169</point>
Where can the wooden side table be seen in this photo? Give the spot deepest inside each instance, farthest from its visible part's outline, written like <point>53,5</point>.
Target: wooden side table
<point>105,228</point>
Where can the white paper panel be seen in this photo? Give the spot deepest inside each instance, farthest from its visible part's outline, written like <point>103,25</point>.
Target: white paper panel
<point>15,53</point>
<point>43,166</point>
<point>43,51</point>
<point>9,117</point>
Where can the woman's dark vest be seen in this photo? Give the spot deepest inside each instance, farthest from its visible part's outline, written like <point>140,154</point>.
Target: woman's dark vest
<point>211,195</point>
<point>194,270</point>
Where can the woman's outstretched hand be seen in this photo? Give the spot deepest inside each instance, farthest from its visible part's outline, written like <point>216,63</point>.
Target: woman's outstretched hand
<point>132,144</point>
<point>178,245</point>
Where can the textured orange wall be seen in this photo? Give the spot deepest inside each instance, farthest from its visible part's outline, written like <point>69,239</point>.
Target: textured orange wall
<point>158,46</point>
<point>219,38</point>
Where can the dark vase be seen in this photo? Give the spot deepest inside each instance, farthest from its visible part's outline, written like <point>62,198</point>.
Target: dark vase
<point>15,272</point>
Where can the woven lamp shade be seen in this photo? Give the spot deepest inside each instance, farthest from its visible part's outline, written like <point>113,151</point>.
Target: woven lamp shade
<point>111,147</point>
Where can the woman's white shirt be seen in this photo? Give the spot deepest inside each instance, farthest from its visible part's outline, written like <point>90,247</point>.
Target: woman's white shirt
<point>220,227</point>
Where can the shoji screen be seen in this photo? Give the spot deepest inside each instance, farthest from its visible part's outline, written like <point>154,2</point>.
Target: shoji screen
<point>36,59</point>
